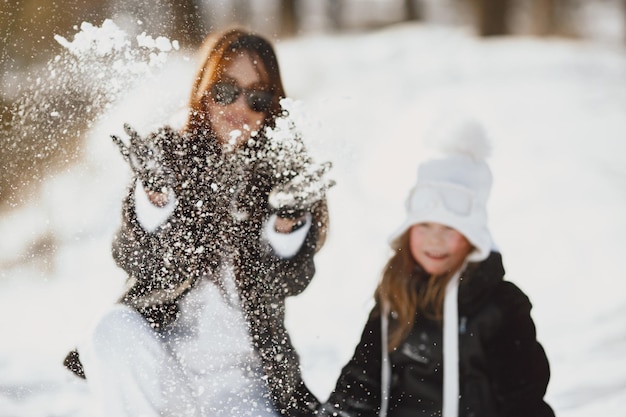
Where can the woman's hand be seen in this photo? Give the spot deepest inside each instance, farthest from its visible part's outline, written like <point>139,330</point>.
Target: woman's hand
<point>289,225</point>
<point>157,198</point>
<point>146,157</point>
<point>302,191</point>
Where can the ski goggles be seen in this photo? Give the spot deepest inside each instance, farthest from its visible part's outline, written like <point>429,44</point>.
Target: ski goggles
<point>225,93</point>
<point>456,199</point>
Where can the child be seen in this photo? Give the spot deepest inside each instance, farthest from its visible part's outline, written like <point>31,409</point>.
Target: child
<point>447,336</point>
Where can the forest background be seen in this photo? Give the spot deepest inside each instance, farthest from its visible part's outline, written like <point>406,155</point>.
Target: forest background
<point>546,76</point>
<point>28,27</point>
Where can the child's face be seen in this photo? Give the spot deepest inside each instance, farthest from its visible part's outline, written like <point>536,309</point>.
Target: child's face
<point>437,248</point>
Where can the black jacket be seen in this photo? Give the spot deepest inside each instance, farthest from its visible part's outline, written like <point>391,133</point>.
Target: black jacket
<point>222,204</point>
<point>503,370</point>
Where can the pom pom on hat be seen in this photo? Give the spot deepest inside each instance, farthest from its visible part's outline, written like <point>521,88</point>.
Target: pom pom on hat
<point>459,134</point>
<point>454,182</point>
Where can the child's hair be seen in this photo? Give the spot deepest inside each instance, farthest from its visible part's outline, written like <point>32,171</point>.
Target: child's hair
<point>407,289</point>
<point>452,188</point>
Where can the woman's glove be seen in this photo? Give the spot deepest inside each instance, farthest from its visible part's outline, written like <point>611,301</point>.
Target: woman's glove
<point>146,157</point>
<point>292,199</point>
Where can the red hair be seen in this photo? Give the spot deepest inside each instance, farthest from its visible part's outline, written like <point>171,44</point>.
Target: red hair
<point>216,50</point>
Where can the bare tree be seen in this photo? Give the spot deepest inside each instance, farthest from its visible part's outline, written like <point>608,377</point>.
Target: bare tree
<point>542,16</point>
<point>9,31</point>
<point>492,17</point>
<point>412,10</point>
<point>624,15</point>
<point>334,12</point>
<point>241,11</point>
<point>27,27</point>
<point>553,17</point>
<point>289,18</point>
<point>189,26</point>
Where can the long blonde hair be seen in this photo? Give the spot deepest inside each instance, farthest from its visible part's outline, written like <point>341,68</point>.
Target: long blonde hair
<point>407,289</point>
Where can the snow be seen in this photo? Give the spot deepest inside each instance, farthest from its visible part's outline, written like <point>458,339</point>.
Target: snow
<point>554,111</point>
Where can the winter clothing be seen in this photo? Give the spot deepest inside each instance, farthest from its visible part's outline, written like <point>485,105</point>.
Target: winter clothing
<point>503,370</point>
<point>482,359</point>
<point>204,365</point>
<point>219,221</point>
<point>452,189</point>
<point>453,183</point>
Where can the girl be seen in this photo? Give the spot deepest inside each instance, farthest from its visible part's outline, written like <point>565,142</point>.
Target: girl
<point>447,336</point>
<point>216,233</point>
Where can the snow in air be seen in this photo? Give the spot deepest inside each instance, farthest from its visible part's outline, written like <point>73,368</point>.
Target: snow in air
<point>553,109</point>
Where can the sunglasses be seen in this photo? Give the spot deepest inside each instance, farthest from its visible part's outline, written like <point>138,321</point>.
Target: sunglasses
<point>225,93</point>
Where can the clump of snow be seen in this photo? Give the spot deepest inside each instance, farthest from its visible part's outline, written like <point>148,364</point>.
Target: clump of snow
<point>287,125</point>
<point>286,152</point>
<point>99,40</point>
<point>57,104</point>
<point>108,52</point>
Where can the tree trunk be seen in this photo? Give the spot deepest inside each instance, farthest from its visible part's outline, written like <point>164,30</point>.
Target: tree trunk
<point>289,17</point>
<point>553,17</point>
<point>334,11</point>
<point>412,10</point>
<point>492,17</point>
<point>189,27</point>
<point>543,16</point>
<point>624,16</point>
<point>241,12</point>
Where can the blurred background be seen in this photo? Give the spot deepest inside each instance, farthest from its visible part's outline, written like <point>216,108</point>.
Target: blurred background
<point>27,29</point>
<point>547,76</point>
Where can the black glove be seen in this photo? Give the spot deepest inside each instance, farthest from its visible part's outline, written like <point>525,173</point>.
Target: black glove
<point>146,157</point>
<point>292,199</point>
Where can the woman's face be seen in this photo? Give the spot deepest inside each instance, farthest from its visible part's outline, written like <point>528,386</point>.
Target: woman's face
<point>437,248</point>
<point>238,101</point>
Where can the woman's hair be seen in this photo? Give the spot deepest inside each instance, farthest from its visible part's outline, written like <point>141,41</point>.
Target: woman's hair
<point>407,289</point>
<point>216,50</point>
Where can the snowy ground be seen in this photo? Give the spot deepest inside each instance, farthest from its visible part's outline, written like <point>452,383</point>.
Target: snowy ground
<point>555,110</point>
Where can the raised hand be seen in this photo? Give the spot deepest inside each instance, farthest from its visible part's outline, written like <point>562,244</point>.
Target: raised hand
<point>146,157</point>
<point>291,199</point>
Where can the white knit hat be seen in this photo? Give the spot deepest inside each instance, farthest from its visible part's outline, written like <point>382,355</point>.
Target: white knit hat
<point>453,183</point>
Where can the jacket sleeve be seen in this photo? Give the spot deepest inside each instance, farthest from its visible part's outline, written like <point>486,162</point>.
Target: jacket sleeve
<point>152,260</point>
<point>135,249</point>
<point>519,367</point>
<point>289,393</point>
<point>358,388</point>
<point>148,251</point>
<point>292,275</point>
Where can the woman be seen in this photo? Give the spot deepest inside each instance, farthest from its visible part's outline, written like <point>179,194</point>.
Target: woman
<point>448,336</point>
<point>210,259</point>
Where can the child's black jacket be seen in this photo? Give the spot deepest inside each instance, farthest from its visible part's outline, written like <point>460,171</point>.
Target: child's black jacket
<point>503,370</point>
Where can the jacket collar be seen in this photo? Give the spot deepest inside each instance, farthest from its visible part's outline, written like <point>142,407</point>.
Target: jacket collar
<point>478,281</point>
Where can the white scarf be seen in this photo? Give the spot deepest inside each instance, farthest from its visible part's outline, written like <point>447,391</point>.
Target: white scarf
<point>450,351</point>
<point>451,347</point>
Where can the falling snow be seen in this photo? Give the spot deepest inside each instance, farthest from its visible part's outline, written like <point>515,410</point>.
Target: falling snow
<point>555,111</point>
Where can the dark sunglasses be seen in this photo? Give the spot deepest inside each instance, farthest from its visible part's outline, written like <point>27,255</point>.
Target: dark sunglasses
<point>225,93</point>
